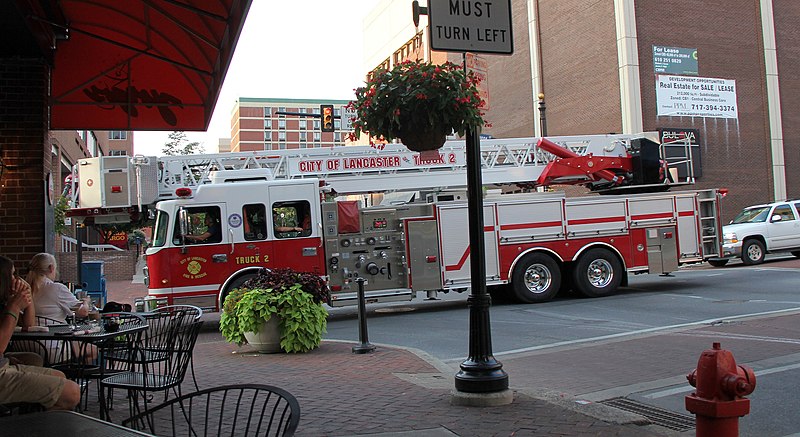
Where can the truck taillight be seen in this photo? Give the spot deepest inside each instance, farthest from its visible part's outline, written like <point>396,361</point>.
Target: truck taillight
<point>116,189</point>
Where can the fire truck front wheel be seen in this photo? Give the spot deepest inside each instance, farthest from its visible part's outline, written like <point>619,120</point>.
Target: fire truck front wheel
<point>597,273</point>
<point>536,278</point>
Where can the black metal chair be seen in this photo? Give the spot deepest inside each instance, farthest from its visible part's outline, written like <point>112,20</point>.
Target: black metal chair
<point>156,341</point>
<point>147,375</point>
<point>231,410</point>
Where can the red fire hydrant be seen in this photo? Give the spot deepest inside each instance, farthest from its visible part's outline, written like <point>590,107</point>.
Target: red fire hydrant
<point>718,403</point>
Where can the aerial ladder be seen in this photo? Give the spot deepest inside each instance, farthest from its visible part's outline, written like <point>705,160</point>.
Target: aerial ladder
<point>113,189</point>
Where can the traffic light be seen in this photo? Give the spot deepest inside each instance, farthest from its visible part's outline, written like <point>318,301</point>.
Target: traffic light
<point>326,113</point>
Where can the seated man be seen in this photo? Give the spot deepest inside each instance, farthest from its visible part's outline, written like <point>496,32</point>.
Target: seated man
<point>211,235</point>
<point>19,382</point>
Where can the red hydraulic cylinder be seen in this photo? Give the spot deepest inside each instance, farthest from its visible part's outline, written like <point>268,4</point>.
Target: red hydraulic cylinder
<point>566,154</point>
<point>718,402</point>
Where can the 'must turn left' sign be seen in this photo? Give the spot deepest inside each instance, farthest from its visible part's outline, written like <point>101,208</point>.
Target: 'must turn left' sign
<point>471,26</point>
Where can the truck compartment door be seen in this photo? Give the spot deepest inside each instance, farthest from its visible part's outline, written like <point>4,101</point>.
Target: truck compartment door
<point>662,250</point>
<point>423,255</point>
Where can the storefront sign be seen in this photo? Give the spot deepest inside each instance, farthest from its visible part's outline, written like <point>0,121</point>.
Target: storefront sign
<point>686,96</point>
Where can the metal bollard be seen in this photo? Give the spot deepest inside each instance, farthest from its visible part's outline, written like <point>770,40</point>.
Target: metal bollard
<point>365,347</point>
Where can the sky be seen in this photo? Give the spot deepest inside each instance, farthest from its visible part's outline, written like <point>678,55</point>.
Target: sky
<point>279,55</point>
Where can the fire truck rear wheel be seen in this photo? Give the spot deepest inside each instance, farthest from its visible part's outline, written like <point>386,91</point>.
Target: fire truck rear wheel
<point>597,273</point>
<point>536,278</point>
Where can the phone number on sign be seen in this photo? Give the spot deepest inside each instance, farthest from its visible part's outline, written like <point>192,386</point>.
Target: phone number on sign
<point>723,108</point>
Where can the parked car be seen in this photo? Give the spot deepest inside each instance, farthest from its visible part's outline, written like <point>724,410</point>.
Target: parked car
<point>759,230</point>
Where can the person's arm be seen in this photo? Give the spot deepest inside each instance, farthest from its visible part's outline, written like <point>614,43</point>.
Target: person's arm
<point>288,229</point>
<point>28,316</point>
<point>10,315</point>
<point>70,301</point>
<point>200,237</point>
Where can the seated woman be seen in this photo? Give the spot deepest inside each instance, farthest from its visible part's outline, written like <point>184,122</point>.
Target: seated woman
<point>19,382</point>
<point>54,301</point>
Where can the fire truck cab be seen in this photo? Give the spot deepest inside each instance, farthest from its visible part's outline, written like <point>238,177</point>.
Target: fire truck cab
<point>260,224</point>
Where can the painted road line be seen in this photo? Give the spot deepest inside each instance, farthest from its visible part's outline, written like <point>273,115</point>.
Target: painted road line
<point>677,390</point>
<point>638,332</point>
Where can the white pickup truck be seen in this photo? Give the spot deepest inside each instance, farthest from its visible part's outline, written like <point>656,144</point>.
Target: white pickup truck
<point>761,229</point>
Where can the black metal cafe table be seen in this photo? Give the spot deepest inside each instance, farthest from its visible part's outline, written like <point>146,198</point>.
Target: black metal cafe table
<point>62,423</point>
<point>85,334</point>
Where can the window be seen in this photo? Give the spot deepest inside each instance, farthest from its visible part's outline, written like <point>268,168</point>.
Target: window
<point>268,124</point>
<point>291,219</point>
<point>302,125</point>
<point>160,232</point>
<point>255,222</point>
<point>303,136</point>
<point>282,123</point>
<point>282,146</point>
<point>337,136</point>
<point>267,111</point>
<point>785,211</point>
<point>117,135</point>
<point>282,135</point>
<point>204,226</point>
<point>117,153</point>
<point>337,124</point>
<point>316,124</point>
<point>268,135</point>
<point>281,109</point>
<point>316,136</point>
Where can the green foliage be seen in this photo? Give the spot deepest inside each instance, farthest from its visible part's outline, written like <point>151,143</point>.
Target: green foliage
<point>176,146</point>
<point>303,318</point>
<point>444,93</point>
<point>59,214</point>
<point>229,320</point>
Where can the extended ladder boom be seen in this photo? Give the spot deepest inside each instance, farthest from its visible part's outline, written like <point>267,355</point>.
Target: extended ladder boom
<point>120,181</point>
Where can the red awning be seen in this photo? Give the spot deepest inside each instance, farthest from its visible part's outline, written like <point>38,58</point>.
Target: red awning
<point>141,64</point>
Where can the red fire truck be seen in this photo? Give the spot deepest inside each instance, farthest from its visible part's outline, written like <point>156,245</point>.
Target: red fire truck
<point>220,218</point>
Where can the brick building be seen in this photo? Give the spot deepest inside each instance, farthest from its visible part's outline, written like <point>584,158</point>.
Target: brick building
<point>276,124</point>
<point>595,64</point>
<point>63,68</point>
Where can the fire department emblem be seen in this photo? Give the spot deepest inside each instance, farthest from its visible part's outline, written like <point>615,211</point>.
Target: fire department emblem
<point>194,267</point>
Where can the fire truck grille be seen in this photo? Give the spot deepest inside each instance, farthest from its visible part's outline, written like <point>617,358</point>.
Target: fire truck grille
<point>657,416</point>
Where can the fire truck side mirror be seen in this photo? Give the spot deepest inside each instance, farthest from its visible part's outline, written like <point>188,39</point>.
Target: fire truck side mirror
<point>183,220</point>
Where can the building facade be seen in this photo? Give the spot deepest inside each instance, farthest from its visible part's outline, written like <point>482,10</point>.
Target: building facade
<point>279,124</point>
<point>719,71</point>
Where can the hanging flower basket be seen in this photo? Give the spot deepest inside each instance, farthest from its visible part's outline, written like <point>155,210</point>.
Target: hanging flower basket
<point>418,102</point>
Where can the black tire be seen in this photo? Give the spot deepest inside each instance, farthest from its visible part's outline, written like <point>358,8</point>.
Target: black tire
<point>796,253</point>
<point>536,278</point>
<point>718,262</point>
<point>753,252</point>
<point>597,273</point>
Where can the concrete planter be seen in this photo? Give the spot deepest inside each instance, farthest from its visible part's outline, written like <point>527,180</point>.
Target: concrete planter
<point>268,338</point>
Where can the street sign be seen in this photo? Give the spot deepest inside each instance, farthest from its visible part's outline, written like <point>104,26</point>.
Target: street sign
<point>347,114</point>
<point>471,26</point>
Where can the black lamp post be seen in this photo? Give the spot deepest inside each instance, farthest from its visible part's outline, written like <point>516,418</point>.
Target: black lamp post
<point>480,372</point>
